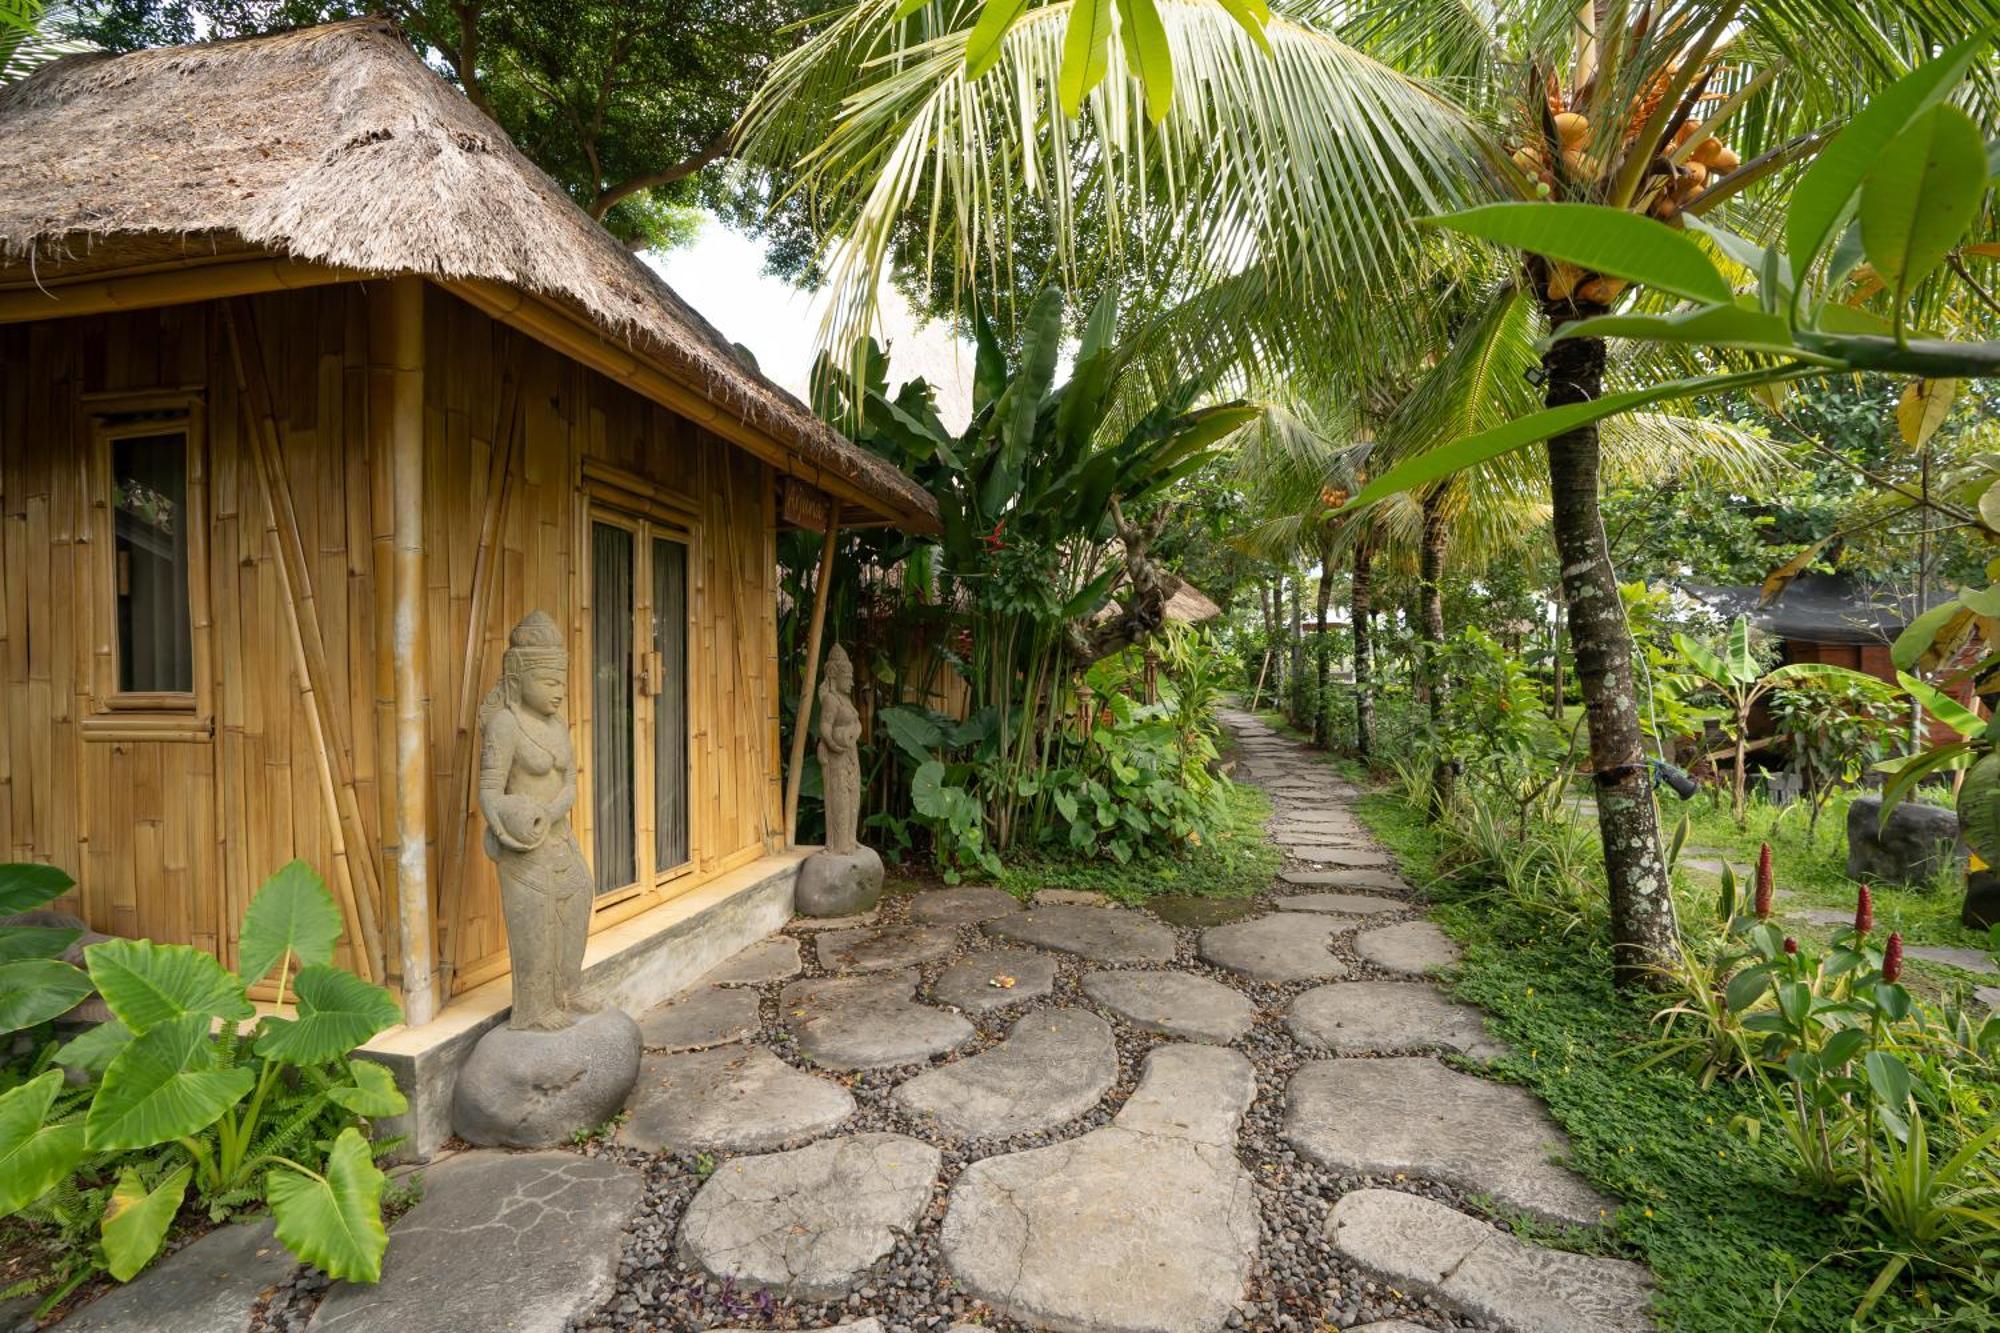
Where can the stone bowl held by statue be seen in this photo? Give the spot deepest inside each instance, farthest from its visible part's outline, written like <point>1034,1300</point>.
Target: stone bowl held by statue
<point>523,819</point>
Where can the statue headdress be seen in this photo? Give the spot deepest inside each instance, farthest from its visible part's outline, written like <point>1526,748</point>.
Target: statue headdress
<point>535,642</point>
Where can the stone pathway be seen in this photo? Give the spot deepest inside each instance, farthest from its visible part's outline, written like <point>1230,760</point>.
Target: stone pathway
<point>1066,1115</point>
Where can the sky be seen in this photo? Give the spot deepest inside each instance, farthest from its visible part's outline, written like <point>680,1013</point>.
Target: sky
<point>722,275</point>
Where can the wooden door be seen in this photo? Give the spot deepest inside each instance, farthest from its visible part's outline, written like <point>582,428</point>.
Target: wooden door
<point>636,780</point>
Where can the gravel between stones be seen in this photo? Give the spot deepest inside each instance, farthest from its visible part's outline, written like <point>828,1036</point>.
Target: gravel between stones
<point>1299,1281</point>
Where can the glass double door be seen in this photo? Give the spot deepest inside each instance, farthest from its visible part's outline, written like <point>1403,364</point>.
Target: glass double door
<point>638,778</point>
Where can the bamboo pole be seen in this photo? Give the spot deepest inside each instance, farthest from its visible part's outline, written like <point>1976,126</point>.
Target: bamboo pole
<point>796,769</point>
<point>396,354</point>
<point>465,742</point>
<point>58,299</point>
<point>354,871</point>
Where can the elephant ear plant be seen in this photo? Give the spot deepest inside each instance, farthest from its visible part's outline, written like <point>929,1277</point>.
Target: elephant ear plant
<point>187,1088</point>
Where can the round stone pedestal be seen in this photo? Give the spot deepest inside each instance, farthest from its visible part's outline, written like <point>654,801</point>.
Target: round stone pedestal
<point>839,883</point>
<point>535,1089</point>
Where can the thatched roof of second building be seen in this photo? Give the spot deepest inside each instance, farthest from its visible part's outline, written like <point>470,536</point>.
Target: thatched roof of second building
<point>337,145</point>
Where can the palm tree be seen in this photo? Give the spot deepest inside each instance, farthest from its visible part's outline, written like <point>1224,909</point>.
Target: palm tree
<point>1284,181</point>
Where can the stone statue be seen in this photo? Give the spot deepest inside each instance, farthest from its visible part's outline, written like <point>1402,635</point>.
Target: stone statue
<point>557,1066</point>
<point>840,753</point>
<point>527,784</point>
<point>842,878</point>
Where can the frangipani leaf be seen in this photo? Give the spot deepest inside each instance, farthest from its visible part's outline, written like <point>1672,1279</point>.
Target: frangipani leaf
<point>334,1221</point>
<point>1824,193</point>
<point>1086,53</point>
<point>1601,240</point>
<point>1921,194</point>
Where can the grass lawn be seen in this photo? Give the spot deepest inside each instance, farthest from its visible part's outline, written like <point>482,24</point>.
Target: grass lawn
<point>1712,1213</point>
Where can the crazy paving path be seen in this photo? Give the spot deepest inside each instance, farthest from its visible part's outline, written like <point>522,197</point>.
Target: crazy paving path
<point>1065,1115</point>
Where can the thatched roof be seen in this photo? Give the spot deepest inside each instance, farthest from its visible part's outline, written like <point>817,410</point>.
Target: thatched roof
<point>336,145</point>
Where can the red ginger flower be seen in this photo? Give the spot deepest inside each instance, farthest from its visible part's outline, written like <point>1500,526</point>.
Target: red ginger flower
<point>1864,912</point>
<point>1791,945</point>
<point>1767,887</point>
<point>1892,957</point>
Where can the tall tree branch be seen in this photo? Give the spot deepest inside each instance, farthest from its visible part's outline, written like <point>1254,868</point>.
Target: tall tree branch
<point>715,149</point>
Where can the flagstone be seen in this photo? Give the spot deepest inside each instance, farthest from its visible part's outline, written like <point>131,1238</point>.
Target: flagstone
<point>527,1242</point>
<point>1173,1003</point>
<point>730,1099</point>
<point>1484,1272</point>
<point>711,1016</point>
<point>869,1022</point>
<point>884,948</point>
<point>1284,946</point>
<point>1100,934</point>
<point>1053,1066</point>
<point>995,979</point>
<point>1414,948</point>
<point>810,1222</point>
<point>1387,1018</point>
<point>1147,1225</point>
<point>1411,1115</point>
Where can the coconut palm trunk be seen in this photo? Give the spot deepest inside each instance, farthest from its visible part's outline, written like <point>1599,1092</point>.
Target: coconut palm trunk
<point>1435,539</point>
<point>1322,728</point>
<point>1643,932</point>
<point>1361,606</point>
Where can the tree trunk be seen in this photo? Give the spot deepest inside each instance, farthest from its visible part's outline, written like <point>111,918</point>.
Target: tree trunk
<point>1643,932</point>
<point>1559,688</point>
<point>1322,730</point>
<point>1361,601</point>
<point>1430,649</point>
<point>1297,633</point>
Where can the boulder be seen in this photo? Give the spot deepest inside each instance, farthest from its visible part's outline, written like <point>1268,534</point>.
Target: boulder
<point>522,1089</point>
<point>839,883</point>
<point>1919,841</point>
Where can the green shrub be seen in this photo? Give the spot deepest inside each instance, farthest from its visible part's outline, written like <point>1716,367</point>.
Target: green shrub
<point>179,1095</point>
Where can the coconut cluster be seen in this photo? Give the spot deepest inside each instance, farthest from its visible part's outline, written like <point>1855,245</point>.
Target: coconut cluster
<point>1683,168</point>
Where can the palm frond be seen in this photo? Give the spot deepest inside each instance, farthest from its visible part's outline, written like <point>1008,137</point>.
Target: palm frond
<point>1311,161</point>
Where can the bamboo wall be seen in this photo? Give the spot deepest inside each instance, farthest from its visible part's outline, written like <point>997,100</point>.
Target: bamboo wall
<point>169,833</point>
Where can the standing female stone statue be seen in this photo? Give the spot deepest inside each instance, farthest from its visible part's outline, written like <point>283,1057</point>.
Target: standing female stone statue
<point>843,877</point>
<point>840,753</point>
<point>527,784</point>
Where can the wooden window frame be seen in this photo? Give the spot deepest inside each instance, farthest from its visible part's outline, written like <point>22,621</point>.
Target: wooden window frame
<point>648,511</point>
<point>143,715</point>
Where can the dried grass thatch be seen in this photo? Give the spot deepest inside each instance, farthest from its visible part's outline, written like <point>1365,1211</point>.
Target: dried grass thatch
<point>336,145</point>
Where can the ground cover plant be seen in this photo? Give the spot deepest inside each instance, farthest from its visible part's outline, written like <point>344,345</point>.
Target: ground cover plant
<point>1714,1210</point>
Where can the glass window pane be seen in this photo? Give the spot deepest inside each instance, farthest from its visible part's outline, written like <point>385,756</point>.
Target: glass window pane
<point>611,786</point>
<point>670,740</point>
<point>149,507</point>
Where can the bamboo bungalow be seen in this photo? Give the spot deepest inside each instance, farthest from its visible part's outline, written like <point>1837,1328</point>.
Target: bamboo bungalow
<point>311,385</point>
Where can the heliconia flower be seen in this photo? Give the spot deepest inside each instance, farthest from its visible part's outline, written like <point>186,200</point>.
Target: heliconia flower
<point>1892,957</point>
<point>1767,887</point>
<point>1864,911</point>
<point>1791,945</point>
